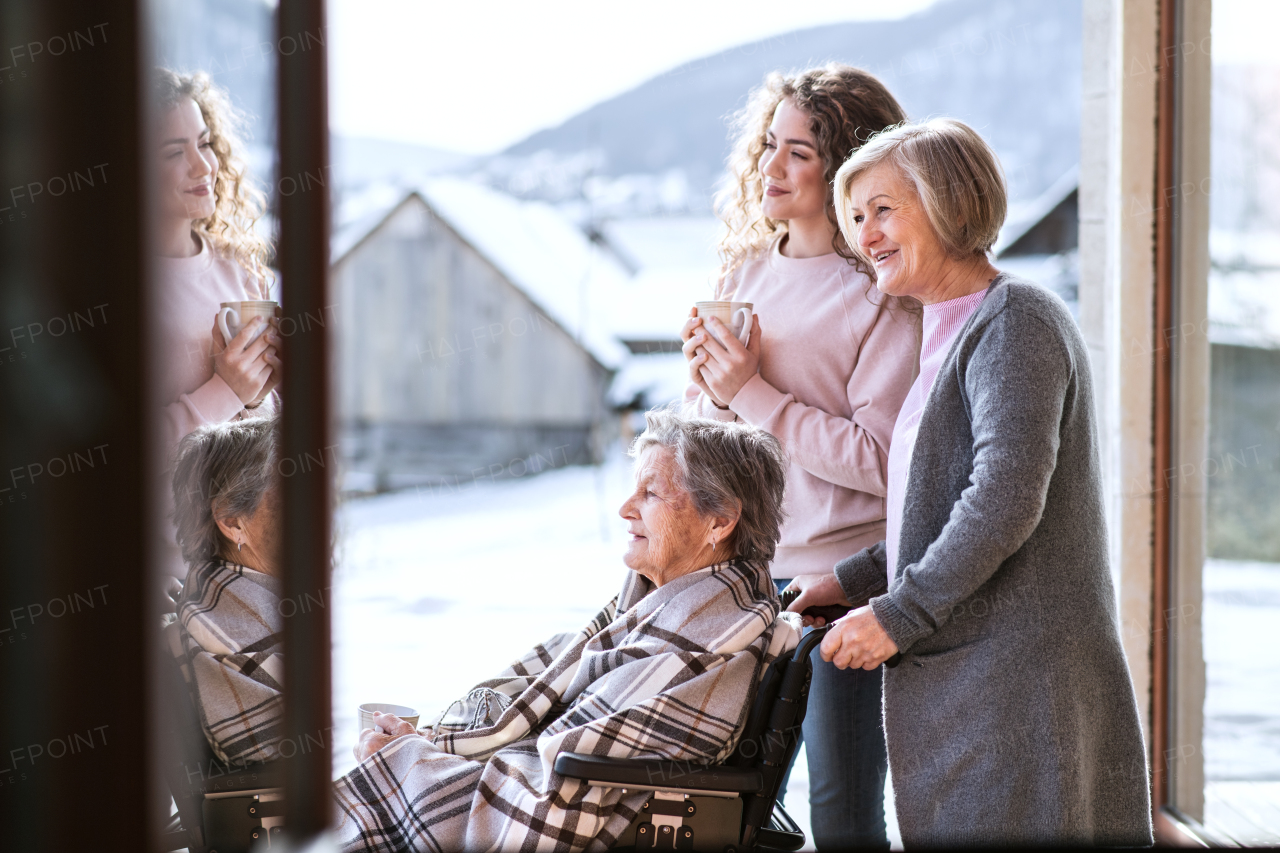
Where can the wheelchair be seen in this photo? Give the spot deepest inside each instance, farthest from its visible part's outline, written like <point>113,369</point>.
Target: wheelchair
<point>726,808</point>
<point>220,808</point>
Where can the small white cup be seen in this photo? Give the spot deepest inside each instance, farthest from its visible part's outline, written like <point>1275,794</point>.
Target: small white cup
<point>404,712</point>
<point>234,316</point>
<point>736,317</point>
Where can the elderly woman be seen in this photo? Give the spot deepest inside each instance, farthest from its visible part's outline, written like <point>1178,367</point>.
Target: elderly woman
<point>1011,717</point>
<point>227,632</point>
<point>666,670</point>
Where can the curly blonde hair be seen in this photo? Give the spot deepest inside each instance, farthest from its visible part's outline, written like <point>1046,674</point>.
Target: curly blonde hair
<point>239,204</point>
<point>845,105</point>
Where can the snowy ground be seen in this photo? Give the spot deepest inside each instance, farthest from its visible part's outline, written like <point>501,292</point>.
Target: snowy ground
<point>436,590</point>
<point>1242,661</point>
<point>1242,702</point>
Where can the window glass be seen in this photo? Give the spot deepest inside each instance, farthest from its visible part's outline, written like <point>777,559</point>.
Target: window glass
<point>209,140</point>
<point>1242,471</point>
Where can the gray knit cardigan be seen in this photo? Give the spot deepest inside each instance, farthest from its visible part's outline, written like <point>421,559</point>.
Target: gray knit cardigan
<point>1012,717</point>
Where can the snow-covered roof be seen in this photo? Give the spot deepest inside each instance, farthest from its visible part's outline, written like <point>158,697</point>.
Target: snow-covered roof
<point>653,380</point>
<point>1242,308</point>
<point>574,281</point>
<point>666,242</point>
<point>357,215</point>
<point>675,263</point>
<point>1023,217</point>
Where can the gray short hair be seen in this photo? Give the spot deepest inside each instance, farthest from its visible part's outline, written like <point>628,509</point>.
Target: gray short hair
<point>725,468</point>
<point>228,465</point>
<point>955,173</point>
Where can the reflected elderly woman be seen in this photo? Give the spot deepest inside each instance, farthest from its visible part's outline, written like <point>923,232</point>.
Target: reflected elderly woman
<point>227,632</point>
<point>665,670</point>
<point>1011,718</point>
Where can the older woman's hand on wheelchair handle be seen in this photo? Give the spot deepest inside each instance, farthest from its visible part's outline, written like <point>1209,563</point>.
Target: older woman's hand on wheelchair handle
<point>857,641</point>
<point>387,727</point>
<point>820,590</point>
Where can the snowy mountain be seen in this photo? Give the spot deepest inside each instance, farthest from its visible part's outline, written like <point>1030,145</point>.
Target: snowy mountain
<point>359,162</point>
<point>1011,68</point>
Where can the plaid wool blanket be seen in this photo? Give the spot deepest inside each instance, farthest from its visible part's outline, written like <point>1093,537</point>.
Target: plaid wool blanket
<point>659,673</point>
<point>227,636</point>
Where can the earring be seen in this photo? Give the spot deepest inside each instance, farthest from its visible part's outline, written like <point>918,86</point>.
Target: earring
<point>239,547</point>
<point>713,546</point>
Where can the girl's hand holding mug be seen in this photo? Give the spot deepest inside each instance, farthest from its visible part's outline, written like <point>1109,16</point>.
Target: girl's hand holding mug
<point>722,363</point>
<point>722,359</point>
<point>693,333</point>
<point>250,363</point>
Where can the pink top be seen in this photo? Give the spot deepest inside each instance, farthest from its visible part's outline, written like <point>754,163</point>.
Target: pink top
<point>942,322</point>
<point>188,295</point>
<point>834,369</point>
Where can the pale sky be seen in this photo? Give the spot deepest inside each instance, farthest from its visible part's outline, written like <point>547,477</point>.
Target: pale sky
<point>1245,31</point>
<point>477,76</point>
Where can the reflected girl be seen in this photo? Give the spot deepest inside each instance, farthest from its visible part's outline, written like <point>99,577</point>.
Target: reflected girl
<point>203,219</point>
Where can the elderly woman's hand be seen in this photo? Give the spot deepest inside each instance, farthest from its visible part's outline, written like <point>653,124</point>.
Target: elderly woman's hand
<point>387,727</point>
<point>723,368</point>
<point>816,591</point>
<point>857,640</point>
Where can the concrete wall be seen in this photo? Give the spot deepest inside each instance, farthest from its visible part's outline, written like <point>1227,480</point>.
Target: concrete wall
<point>1117,276</point>
<point>1120,206</point>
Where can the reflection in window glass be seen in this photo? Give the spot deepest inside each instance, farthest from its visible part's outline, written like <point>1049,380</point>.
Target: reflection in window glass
<point>209,157</point>
<point>1242,573</point>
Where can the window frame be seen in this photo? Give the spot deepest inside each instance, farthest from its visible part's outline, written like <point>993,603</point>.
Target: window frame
<point>1181,420</point>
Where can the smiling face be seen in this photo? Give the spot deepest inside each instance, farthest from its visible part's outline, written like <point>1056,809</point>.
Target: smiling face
<point>894,231</point>
<point>791,169</point>
<point>668,537</point>
<point>187,164</point>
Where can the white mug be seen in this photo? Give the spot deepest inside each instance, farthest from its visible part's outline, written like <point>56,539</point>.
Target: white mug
<point>736,317</point>
<point>234,316</point>
<point>404,712</point>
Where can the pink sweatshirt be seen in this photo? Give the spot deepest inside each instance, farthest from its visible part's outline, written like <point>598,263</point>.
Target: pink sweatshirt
<point>189,293</point>
<point>834,369</point>
<point>187,299</point>
<point>942,322</point>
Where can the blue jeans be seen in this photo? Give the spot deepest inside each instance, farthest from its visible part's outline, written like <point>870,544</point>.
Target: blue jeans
<point>847,759</point>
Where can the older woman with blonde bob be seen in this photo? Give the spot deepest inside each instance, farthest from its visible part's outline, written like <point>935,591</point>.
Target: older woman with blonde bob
<point>1010,717</point>
<point>665,670</point>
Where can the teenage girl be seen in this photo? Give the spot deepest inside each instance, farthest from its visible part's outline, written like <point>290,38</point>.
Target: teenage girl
<point>827,366</point>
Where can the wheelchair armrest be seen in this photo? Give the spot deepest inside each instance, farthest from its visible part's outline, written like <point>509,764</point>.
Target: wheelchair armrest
<point>647,773</point>
<point>216,777</point>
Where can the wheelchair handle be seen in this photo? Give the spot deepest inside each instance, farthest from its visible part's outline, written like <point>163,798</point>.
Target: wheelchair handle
<point>810,641</point>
